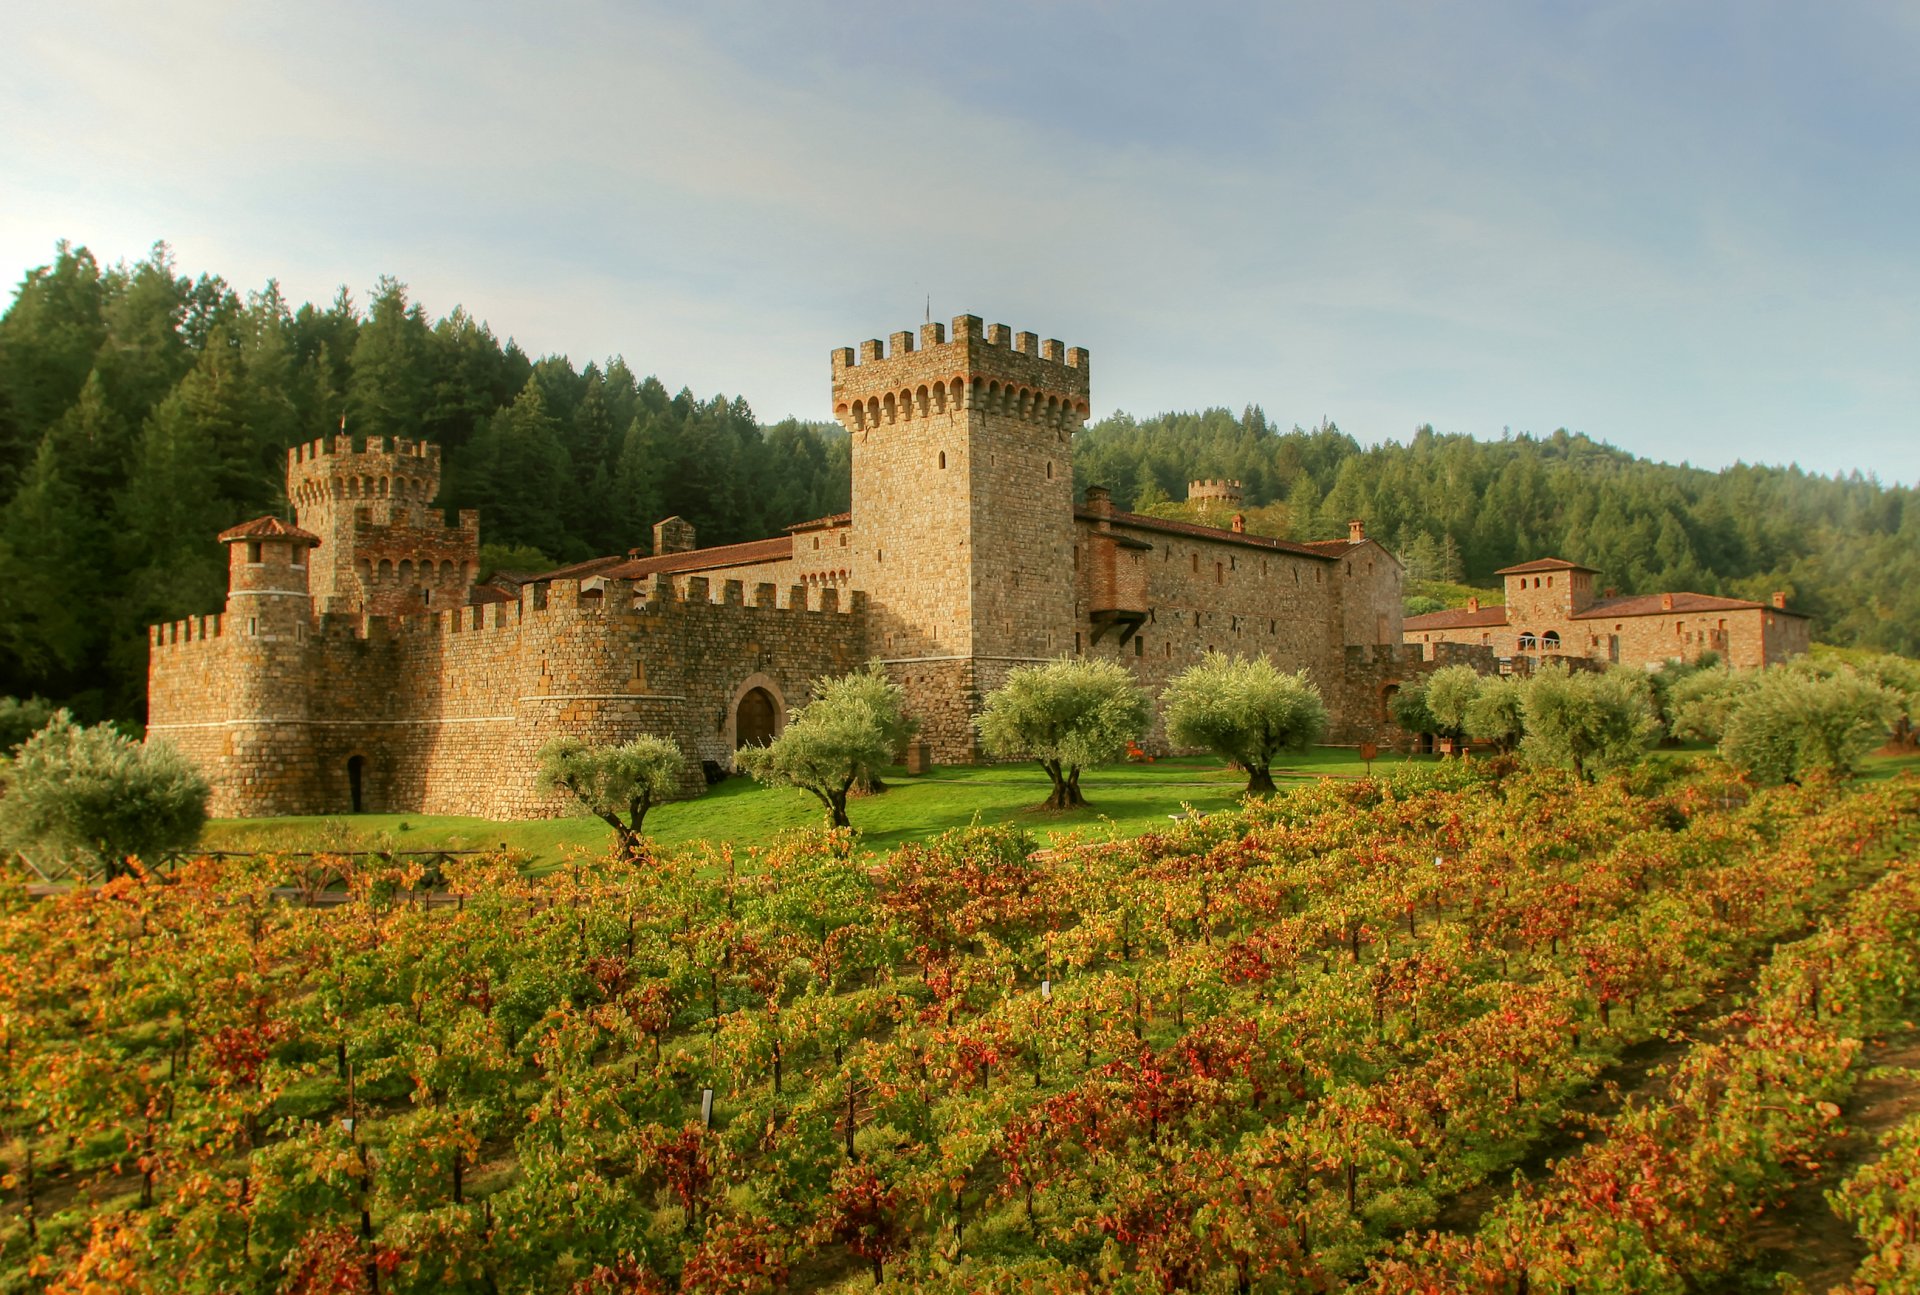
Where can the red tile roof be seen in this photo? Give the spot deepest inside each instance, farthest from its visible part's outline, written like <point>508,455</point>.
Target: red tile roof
<point>1455,618</point>
<point>267,528</point>
<point>753,552</point>
<point>572,571</point>
<point>1654,605</point>
<point>1544,564</point>
<point>1166,525</point>
<point>826,523</point>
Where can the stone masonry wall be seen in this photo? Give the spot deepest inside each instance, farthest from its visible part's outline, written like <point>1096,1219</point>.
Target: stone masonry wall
<point>446,712</point>
<point>1208,595</point>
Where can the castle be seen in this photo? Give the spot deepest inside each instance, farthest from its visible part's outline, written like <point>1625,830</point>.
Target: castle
<point>1551,611</point>
<point>358,667</point>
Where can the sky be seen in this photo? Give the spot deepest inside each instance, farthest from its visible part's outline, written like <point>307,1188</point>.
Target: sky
<point>1689,229</point>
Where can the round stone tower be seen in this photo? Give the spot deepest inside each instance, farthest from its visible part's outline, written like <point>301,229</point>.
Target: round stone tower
<point>267,756</point>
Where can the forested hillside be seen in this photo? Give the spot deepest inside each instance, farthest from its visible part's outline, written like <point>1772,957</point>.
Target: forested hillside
<point>143,410</point>
<point>1845,549</point>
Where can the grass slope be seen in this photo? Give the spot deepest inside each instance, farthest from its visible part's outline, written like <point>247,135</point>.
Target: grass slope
<point>1126,800</point>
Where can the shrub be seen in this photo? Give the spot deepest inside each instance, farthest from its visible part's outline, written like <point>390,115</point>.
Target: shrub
<point>91,798</point>
<point>1793,722</point>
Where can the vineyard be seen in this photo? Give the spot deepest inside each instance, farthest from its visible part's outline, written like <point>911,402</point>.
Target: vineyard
<point>1368,1034</point>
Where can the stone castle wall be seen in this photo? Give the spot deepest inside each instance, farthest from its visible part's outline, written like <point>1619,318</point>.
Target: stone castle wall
<point>446,712</point>
<point>1204,594</point>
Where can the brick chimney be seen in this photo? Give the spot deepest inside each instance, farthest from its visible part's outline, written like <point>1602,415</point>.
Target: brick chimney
<point>1356,531</point>
<point>1099,502</point>
<point>1239,524</point>
<point>1611,592</point>
<point>1473,603</point>
<point>1666,602</point>
<point>1780,599</point>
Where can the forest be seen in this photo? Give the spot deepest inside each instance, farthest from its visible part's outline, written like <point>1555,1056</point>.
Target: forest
<point>144,409</point>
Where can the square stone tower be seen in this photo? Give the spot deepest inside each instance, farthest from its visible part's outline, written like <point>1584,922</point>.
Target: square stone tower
<point>962,508</point>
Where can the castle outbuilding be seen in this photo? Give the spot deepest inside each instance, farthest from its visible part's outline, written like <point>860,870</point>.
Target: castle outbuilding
<point>1552,611</point>
<point>358,667</point>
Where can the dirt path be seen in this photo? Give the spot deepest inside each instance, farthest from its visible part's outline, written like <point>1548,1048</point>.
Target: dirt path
<point>1803,1237</point>
<point>1633,1079</point>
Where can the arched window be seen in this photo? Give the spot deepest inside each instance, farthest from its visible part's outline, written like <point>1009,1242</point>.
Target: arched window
<point>1550,641</point>
<point>1527,642</point>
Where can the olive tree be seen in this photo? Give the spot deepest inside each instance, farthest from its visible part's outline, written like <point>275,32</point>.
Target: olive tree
<point>1408,709</point>
<point>1450,690</point>
<point>1244,710</point>
<point>1590,722</point>
<point>839,739</point>
<point>609,781</point>
<point>1498,712</point>
<point>20,719</point>
<point>1700,704</point>
<point>1790,723</point>
<point>90,799</point>
<point>1067,714</point>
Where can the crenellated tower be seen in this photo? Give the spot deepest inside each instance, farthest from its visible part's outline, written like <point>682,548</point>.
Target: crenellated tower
<point>385,550</point>
<point>962,507</point>
<point>268,627</point>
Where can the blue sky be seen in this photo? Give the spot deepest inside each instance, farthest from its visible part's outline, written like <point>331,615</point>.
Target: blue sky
<point>1689,229</point>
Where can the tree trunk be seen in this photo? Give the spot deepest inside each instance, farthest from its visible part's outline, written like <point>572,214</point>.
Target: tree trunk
<point>1066,787</point>
<point>1260,780</point>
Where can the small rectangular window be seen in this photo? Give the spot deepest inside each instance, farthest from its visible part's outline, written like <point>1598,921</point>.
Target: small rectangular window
<point>1139,646</point>
<point>253,551</point>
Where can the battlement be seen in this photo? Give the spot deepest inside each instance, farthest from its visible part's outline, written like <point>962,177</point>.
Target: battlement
<point>194,629</point>
<point>339,468</point>
<point>982,367</point>
<point>1226,492</point>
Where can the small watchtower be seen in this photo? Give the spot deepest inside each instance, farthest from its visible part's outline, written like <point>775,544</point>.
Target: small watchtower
<point>1225,494</point>
<point>962,529</point>
<point>385,549</point>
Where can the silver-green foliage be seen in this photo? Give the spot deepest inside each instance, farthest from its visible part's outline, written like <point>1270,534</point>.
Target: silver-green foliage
<point>1245,710</point>
<point>1068,714</point>
<point>1702,702</point>
<point>1498,711</point>
<point>1450,691</point>
<point>1592,723</point>
<point>842,737</point>
<point>609,781</point>
<point>1793,722</point>
<point>91,798</point>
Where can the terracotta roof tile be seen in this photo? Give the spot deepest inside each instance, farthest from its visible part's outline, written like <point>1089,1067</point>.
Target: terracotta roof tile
<point>753,552</point>
<point>267,528</point>
<point>1654,605</point>
<point>572,571</point>
<point>1142,522</point>
<point>1455,618</point>
<point>1544,564</point>
<point>826,523</point>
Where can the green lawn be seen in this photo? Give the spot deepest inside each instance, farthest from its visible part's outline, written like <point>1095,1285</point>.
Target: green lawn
<point>1125,800</point>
